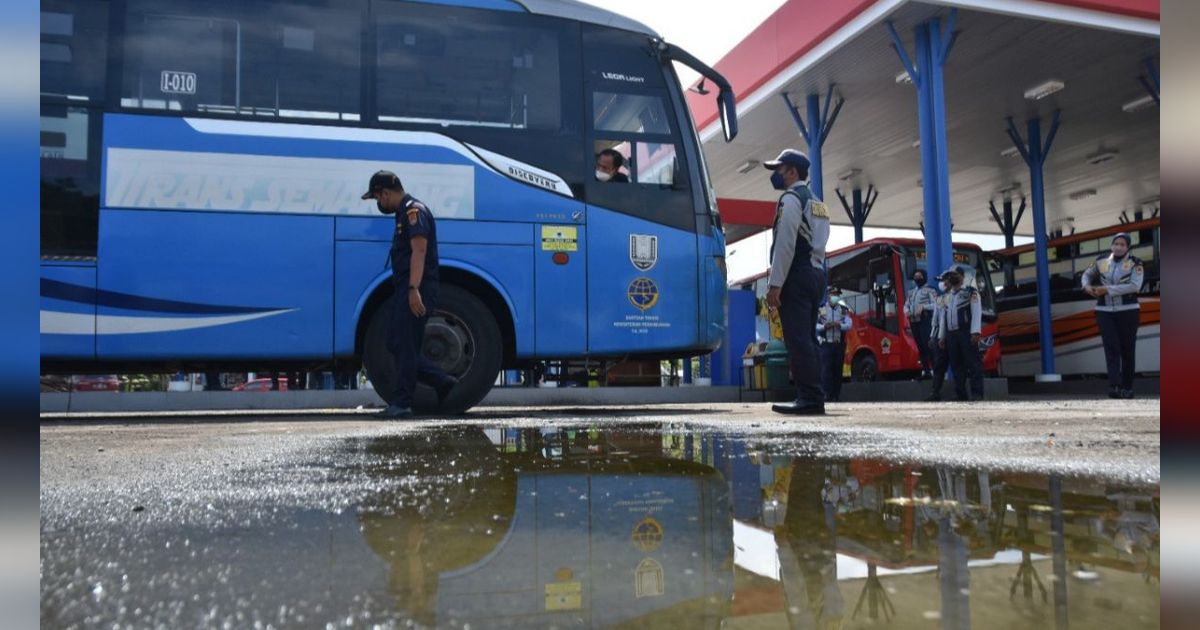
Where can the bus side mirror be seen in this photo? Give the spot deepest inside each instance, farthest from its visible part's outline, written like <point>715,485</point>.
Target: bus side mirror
<point>727,107</point>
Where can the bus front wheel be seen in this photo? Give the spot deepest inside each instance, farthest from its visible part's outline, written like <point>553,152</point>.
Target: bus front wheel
<point>865,368</point>
<point>462,338</point>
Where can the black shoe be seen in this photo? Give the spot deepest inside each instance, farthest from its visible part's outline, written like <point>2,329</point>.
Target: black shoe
<point>800,409</point>
<point>443,390</point>
<point>963,398</point>
<point>933,398</point>
<point>1127,394</point>
<point>395,412</point>
<point>1114,392</point>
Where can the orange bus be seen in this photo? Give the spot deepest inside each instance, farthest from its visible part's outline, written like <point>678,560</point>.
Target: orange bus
<point>875,279</point>
<point>1078,350</point>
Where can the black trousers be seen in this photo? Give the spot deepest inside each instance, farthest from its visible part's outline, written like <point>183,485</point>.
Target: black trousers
<point>1118,331</point>
<point>966,363</point>
<point>941,362</point>
<point>833,358</point>
<point>800,298</point>
<point>921,331</point>
<point>404,342</point>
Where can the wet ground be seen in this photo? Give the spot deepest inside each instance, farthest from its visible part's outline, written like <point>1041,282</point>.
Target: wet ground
<point>1013,515</point>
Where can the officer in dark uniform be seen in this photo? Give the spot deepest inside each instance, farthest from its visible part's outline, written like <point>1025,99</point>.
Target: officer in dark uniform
<point>937,341</point>
<point>1114,280</point>
<point>963,321</point>
<point>415,278</point>
<point>797,279</point>
<point>919,310</point>
<point>833,321</point>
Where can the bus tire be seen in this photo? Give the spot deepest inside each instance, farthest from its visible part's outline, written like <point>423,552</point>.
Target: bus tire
<point>462,338</point>
<point>864,368</point>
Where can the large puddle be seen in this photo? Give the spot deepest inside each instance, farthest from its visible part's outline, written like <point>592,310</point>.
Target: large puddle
<point>638,527</point>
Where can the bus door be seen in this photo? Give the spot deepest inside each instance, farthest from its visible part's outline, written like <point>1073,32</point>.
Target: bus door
<point>643,286</point>
<point>882,312</point>
<point>74,80</point>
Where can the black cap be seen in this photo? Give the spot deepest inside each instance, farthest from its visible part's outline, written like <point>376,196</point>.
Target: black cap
<point>381,180</point>
<point>834,291</point>
<point>791,157</point>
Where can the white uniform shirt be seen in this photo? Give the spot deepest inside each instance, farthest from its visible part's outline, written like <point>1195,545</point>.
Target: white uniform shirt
<point>829,313</point>
<point>920,303</point>
<point>958,299</point>
<point>810,221</point>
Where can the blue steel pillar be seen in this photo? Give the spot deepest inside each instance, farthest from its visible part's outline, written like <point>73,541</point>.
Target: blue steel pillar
<point>1008,225</point>
<point>820,122</point>
<point>1035,151</point>
<point>1151,83</point>
<point>933,48</point>
<point>860,209</point>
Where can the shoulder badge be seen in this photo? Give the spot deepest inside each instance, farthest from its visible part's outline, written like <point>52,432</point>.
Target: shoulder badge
<point>1137,269</point>
<point>818,209</point>
<point>1127,265</point>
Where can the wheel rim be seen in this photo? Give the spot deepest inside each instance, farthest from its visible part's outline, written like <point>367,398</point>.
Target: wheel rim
<point>449,343</point>
<point>866,371</point>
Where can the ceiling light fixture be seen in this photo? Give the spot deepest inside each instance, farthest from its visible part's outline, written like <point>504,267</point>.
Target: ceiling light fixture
<point>846,175</point>
<point>1083,194</point>
<point>1102,156</point>
<point>1038,92</point>
<point>1010,152</point>
<point>1138,104</point>
<point>904,78</point>
<point>747,166</point>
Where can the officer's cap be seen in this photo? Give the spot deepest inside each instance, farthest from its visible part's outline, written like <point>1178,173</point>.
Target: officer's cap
<point>834,291</point>
<point>791,157</point>
<point>379,181</point>
<point>1124,235</point>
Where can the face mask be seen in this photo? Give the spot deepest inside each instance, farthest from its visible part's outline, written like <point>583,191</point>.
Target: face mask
<point>777,181</point>
<point>942,287</point>
<point>602,176</point>
<point>920,281</point>
<point>834,300</point>
<point>379,204</point>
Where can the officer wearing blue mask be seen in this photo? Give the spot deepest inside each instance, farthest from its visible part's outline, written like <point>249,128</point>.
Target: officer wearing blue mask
<point>1114,280</point>
<point>415,279</point>
<point>797,279</point>
<point>833,322</point>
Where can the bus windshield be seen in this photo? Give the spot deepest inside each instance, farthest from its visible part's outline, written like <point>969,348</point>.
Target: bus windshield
<point>975,273</point>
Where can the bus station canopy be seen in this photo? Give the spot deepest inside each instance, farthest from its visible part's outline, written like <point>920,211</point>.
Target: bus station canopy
<point>1095,61</point>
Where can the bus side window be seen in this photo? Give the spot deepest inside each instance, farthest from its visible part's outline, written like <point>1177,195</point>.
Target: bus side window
<point>256,59</point>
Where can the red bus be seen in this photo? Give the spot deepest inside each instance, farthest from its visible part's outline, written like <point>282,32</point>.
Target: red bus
<point>875,279</point>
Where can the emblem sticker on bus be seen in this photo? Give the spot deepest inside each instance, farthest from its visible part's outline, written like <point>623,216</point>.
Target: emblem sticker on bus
<point>643,251</point>
<point>174,82</point>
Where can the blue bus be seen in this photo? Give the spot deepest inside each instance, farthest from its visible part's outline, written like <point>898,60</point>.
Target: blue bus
<point>202,161</point>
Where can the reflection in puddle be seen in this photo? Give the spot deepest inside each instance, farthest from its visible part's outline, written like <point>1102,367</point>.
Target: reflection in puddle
<point>599,528</point>
<point>639,527</point>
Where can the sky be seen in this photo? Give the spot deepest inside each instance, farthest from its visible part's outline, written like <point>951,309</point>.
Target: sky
<point>708,33</point>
